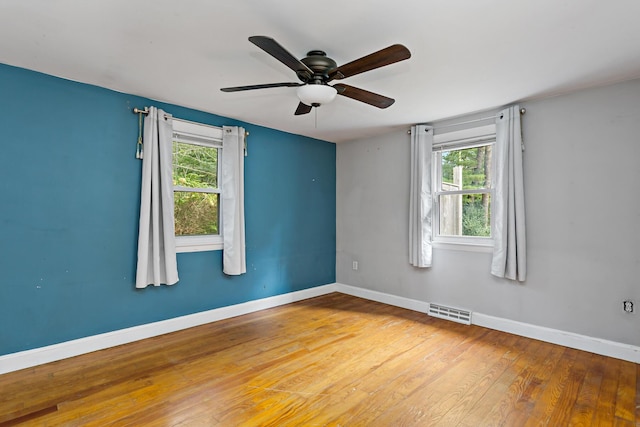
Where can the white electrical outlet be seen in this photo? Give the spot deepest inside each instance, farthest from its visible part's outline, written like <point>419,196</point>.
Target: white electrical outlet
<point>627,306</point>
<point>355,265</point>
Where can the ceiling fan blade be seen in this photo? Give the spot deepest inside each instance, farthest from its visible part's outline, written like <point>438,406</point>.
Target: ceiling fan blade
<point>264,86</point>
<point>274,49</point>
<point>302,109</point>
<point>387,56</point>
<point>364,96</point>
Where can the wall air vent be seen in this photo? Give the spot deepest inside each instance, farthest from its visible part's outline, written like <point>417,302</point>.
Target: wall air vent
<point>449,313</point>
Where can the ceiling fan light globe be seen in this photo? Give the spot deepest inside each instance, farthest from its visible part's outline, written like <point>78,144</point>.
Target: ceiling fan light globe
<point>316,94</point>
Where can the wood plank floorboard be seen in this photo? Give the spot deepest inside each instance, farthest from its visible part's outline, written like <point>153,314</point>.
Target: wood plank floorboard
<point>334,360</point>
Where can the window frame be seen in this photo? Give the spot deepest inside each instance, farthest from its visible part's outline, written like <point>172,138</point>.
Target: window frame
<point>458,140</point>
<point>187,132</point>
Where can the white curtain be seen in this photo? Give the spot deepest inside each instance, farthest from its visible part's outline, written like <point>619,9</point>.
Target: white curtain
<point>509,252</point>
<point>420,198</point>
<point>156,237</point>
<point>232,193</point>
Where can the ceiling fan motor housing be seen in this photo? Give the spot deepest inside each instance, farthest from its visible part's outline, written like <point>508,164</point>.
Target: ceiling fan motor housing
<point>320,64</point>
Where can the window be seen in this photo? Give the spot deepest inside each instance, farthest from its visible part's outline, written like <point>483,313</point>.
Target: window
<point>463,169</point>
<point>196,186</point>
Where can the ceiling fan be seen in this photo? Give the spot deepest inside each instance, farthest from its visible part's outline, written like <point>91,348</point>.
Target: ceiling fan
<point>316,70</point>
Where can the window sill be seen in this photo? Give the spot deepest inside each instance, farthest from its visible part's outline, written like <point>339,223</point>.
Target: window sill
<point>485,246</point>
<point>198,243</point>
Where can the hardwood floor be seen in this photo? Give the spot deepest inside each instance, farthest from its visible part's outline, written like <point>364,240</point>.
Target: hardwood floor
<point>333,360</point>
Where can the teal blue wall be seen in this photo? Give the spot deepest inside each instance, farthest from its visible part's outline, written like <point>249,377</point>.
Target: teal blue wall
<point>69,202</point>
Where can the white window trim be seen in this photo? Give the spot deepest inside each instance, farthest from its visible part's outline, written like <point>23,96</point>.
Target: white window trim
<point>209,136</point>
<point>199,243</point>
<point>466,138</point>
<point>461,244</point>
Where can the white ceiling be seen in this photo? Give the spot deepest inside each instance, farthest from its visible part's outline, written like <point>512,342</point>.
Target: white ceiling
<point>467,55</point>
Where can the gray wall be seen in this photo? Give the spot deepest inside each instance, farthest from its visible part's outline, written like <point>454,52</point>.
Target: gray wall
<point>582,170</point>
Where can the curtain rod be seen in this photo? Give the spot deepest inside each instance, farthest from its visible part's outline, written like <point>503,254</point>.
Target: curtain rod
<point>146,111</point>
<point>522,112</point>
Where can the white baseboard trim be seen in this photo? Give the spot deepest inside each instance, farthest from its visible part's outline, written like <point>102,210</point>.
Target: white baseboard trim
<point>568,339</point>
<point>29,358</point>
<point>37,356</point>
<point>408,303</point>
<point>600,346</point>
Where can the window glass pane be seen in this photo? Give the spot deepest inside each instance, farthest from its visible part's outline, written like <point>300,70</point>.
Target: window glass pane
<point>196,213</point>
<point>465,215</point>
<point>195,166</point>
<point>466,169</point>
